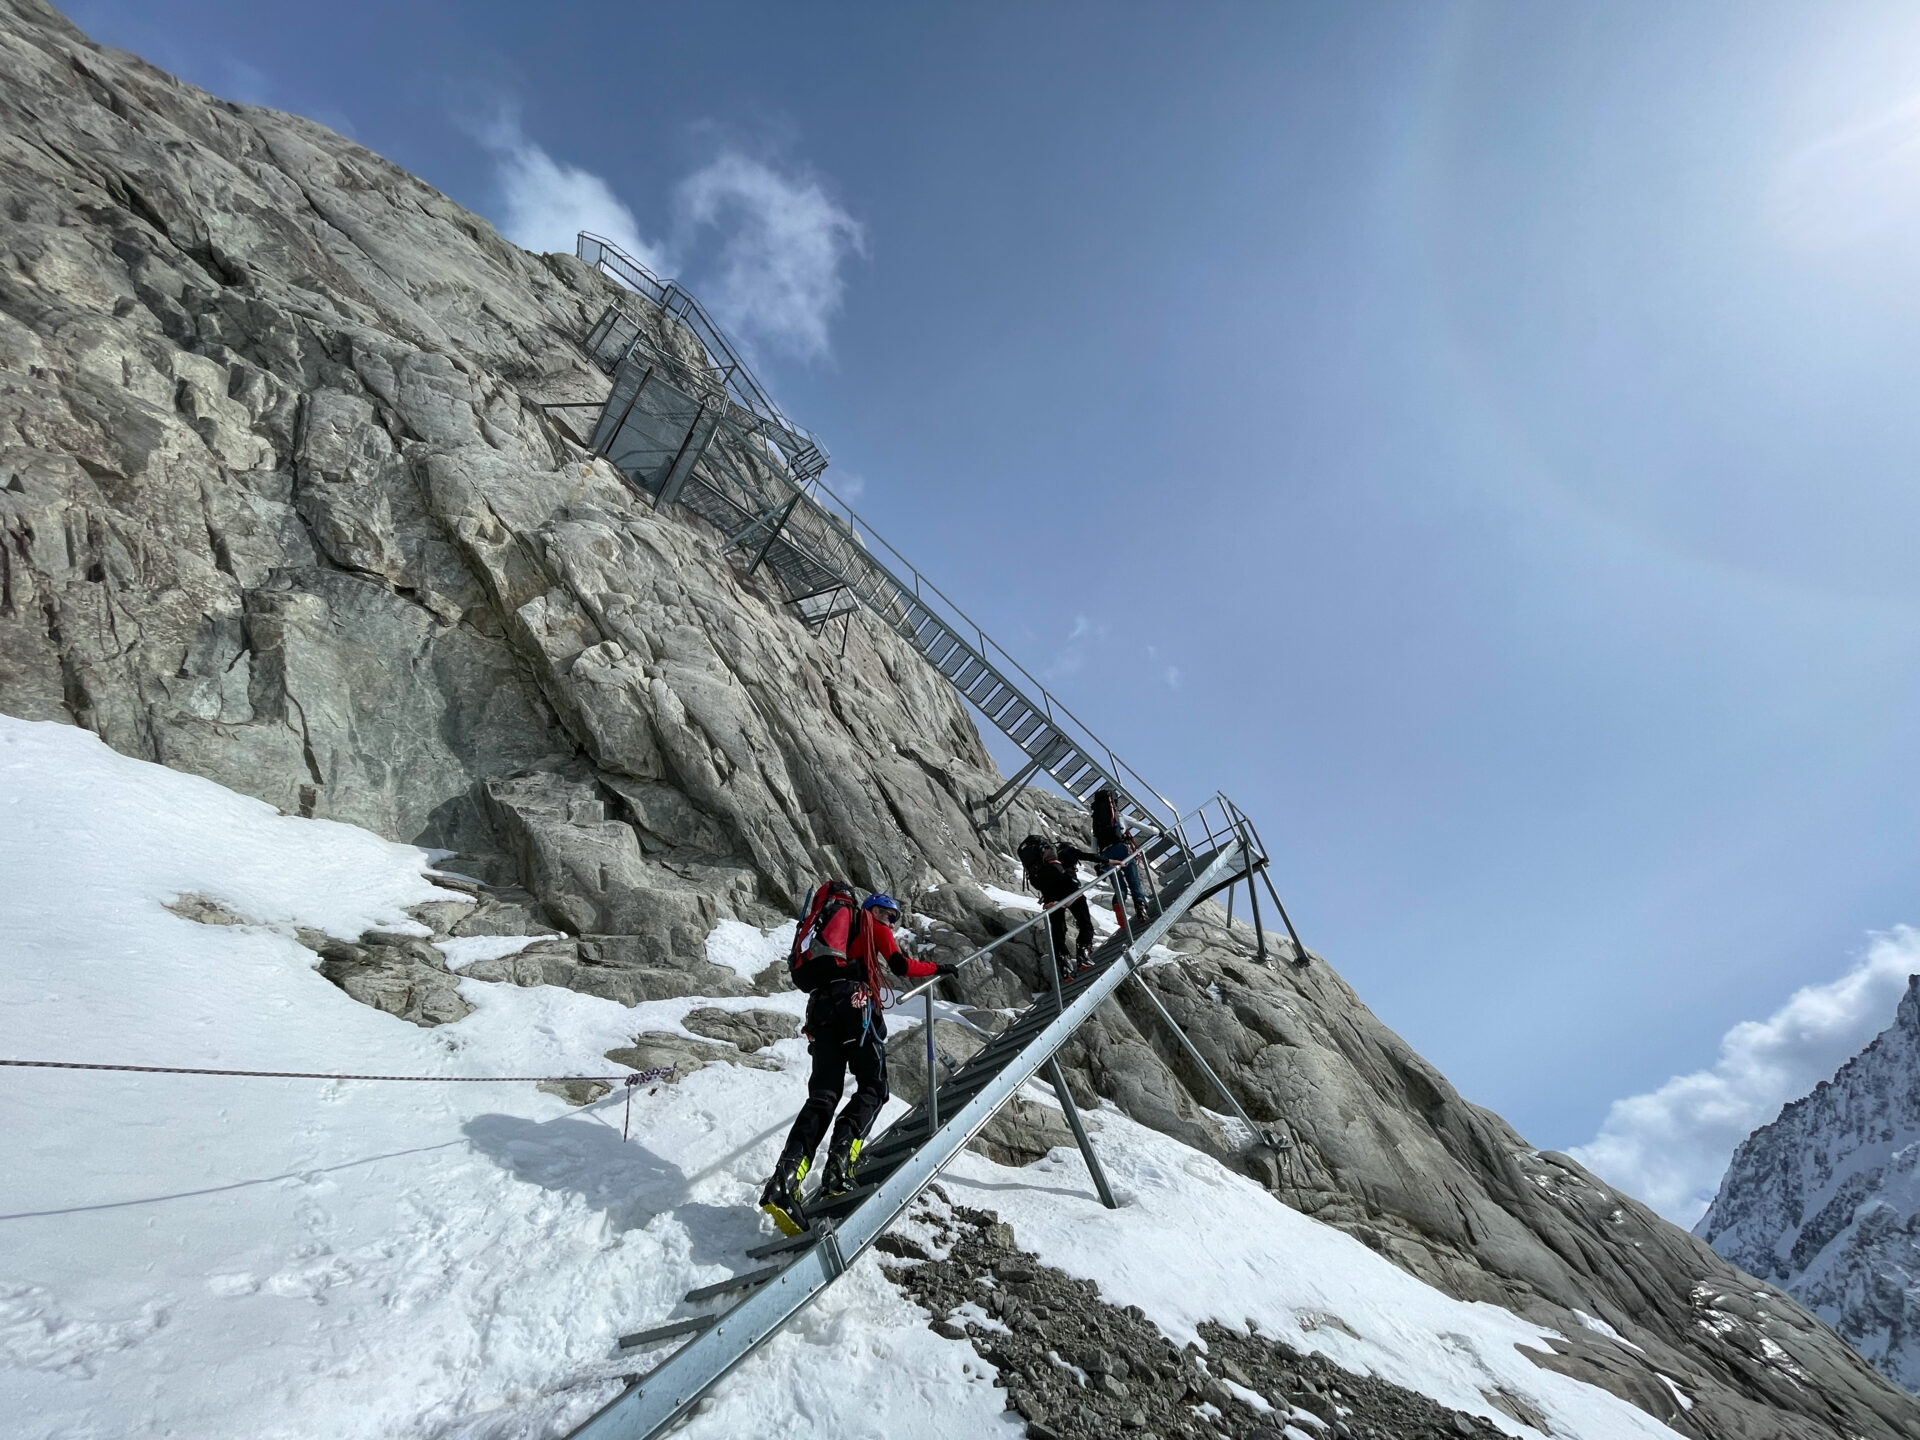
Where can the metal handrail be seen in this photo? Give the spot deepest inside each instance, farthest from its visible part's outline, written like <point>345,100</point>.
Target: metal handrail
<point>670,297</point>
<point>1055,708</point>
<point>1048,907</point>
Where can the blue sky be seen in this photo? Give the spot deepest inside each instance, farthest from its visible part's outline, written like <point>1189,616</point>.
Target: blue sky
<point>1479,438</point>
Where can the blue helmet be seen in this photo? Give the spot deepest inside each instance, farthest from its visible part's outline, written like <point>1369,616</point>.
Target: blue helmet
<point>882,902</point>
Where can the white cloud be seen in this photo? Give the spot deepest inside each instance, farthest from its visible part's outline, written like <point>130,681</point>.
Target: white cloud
<point>546,202</point>
<point>1670,1148</point>
<point>1172,676</point>
<point>777,277</point>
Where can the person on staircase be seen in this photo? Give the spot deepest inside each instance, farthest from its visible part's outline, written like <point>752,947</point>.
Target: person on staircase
<point>846,1030</point>
<point>1115,844</point>
<point>1054,871</point>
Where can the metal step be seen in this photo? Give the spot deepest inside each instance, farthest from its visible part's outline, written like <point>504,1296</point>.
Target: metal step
<point>737,1282</point>
<point>841,1204</point>
<point>672,1330</point>
<point>786,1244</point>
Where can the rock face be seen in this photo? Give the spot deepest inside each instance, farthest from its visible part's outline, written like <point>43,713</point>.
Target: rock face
<point>1825,1201</point>
<point>279,506</point>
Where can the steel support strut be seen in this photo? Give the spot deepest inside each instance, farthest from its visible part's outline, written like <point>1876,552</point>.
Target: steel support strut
<point>1299,951</point>
<point>1008,792</point>
<point>1266,1136</point>
<point>1080,1133</point>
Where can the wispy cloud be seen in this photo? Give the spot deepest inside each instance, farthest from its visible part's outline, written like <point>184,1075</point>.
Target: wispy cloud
<point>783,241</point>
<point>545,202</point>
<point>1083,635</point>
<point>1670,1148</point>
<point>1172,676</point>
<point>1854,185</point>
<point>764,249</point>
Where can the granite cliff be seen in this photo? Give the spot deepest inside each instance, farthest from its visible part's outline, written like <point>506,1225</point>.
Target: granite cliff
<point>1825,1200</point>
<point>279,506</point>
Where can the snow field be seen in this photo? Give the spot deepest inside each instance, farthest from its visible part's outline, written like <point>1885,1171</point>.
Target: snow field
<point>224,1257</point>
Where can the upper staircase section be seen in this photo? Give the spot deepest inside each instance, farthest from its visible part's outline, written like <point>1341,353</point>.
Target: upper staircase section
<point>715,372</point>
<point>687,421</point>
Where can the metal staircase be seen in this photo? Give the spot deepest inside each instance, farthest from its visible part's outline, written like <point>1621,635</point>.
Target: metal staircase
<point>686,422</point>
<point>904,1159</point>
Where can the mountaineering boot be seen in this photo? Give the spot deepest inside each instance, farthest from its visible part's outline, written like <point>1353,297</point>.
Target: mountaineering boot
<point>781,1198</point>
<point>1139,917</point>
<point>837,1178</point>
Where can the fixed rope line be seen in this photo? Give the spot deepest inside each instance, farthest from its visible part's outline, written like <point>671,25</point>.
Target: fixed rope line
<point>641,1078</point>
<point>631,1082</point>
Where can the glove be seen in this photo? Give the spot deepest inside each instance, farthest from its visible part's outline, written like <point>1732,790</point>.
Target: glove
<point>941,972</point>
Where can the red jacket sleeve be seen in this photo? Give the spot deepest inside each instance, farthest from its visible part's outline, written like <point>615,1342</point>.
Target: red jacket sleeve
<point>897,959</point>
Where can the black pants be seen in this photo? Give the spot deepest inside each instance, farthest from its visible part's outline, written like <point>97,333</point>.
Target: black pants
<point>1083,923</point>
<point>833,1057</point>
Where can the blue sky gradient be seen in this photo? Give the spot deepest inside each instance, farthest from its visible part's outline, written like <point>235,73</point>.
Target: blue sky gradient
<point>1480,438</point>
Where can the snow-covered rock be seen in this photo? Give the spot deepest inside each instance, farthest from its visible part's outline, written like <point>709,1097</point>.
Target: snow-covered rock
<point>1825,1200</point>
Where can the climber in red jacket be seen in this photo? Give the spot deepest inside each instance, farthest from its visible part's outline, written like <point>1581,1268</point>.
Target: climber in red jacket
<point>846,1030</point>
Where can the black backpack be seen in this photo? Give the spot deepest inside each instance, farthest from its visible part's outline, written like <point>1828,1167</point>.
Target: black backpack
<point>828,899</point>
<point>1107,831</point>
<point>1036,856</point>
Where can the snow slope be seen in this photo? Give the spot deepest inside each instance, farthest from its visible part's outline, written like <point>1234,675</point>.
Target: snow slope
<point>187,1255</point>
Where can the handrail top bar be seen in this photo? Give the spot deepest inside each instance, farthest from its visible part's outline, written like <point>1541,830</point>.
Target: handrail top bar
<point>1046,695</point>
<point>671,297</point>
<point>1047,908</point>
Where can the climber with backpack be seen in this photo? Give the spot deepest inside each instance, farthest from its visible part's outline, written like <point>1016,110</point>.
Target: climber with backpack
<point>846,958</point>
<point>1053,870</point>
<point>1115,844</point>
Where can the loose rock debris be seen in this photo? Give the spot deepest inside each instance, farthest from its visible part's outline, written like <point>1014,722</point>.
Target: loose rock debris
<point>1074,1365</point>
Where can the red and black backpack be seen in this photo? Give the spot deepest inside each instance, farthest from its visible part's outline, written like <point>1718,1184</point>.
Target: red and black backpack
<point>1107,830</point>
<point>827,900</point>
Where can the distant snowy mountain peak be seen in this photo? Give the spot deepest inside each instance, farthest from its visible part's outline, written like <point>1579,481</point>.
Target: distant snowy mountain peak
<point>1825,1201</point>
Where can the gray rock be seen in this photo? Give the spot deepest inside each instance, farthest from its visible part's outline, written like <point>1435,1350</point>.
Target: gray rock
<point>659,1049</point>
<point>399,974</point>
<point>204,911</point>
<point>576,1092</point>
<point>746,1029</point>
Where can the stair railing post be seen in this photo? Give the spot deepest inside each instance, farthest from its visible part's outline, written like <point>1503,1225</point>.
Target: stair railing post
<point>933,1080</point>
<point>1072,1113</point>
<point>1253,899</point>
<point>1053,954</point>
